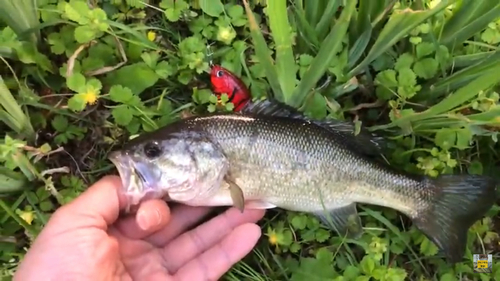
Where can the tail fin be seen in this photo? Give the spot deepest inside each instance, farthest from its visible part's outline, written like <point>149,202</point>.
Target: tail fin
<point>458,202</point>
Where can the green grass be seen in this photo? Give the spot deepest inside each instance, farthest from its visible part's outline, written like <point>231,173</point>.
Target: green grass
<point>424,73</point>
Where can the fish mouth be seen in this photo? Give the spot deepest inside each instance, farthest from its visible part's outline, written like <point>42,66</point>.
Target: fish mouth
<point>126,171</point>
<point>134,185</point>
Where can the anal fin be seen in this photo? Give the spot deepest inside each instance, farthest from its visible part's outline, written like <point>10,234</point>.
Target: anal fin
<point>344,220</point>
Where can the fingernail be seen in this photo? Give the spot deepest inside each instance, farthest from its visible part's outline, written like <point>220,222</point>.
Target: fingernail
<point>157,218</point>
<point>143,220</point>
<point>147,221</point>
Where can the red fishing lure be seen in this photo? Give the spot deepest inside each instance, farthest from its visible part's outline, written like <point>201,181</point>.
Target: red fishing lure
<point>225,82</point>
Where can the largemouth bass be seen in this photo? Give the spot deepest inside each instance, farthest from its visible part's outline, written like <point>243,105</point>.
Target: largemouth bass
<point>266,160</point>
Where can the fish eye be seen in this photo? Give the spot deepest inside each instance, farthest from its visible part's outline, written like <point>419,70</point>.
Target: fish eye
<point>152,150</point>
<point>219,73</point>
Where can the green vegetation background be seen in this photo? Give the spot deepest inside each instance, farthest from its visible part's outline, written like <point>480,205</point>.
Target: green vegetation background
<point>77,78</point>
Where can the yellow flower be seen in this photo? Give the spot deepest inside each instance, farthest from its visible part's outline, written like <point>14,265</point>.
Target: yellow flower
<point>90,97</point>
<point>27,216</point>
<point>151,36</point>
<point>273,238</point>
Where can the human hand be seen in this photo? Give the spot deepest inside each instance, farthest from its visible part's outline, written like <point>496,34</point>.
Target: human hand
<point>85,240</point>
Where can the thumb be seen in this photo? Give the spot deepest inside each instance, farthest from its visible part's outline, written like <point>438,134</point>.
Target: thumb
<point>151,216</point>
<point>98,206</point>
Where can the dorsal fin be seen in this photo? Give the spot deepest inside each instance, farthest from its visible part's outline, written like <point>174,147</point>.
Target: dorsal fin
<point>365,142</point>
<point>270,108</point>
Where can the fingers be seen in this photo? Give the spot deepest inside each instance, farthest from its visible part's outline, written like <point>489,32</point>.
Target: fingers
<point>100,204</point>
<point>216,261</point>
<point>182,218</point>
<point>190,244</point>
<point>151,216</point>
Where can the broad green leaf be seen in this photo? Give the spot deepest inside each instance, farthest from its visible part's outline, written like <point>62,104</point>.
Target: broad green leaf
<point>405,60</point>
<point>464,137</point>
<point>384,93</point>
<point>77,11</point>
<point>351,272</point>
<point>475,168</point>
<point>150,58</point>
<point>448,277</point>
<point>77,102</point>
<point>445,138</point>
<point>319,267</point>
<point>367,265</point>
<point>57,43</point>
<point>174,8</point>
<point>120,94</point>
<point>427,248</point>
<point>212,8</point>
<point>137,77</point>
<point>94,84</point>
<point>299,222</point>
<point>76,82</point>
<point>59,123</point>
<point>84,34</point>
<point>315,106</point>
<point>491,36</point>
<point>165,69</point>
<point>426,68</point>
<point>122,115</point>
<point>387,78</point>
<point>202,96</point>
<point>424,49</point>
<point>406,77</point>
<point>394,274</point>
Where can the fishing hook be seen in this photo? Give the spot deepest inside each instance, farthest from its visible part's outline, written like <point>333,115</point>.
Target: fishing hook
<point>209,54</point>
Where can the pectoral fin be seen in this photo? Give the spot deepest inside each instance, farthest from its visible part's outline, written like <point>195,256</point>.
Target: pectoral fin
<point>345,220</point>
<point>236,193</point>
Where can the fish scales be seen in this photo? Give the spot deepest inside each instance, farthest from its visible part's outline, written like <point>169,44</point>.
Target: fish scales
<point>294,164</point>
